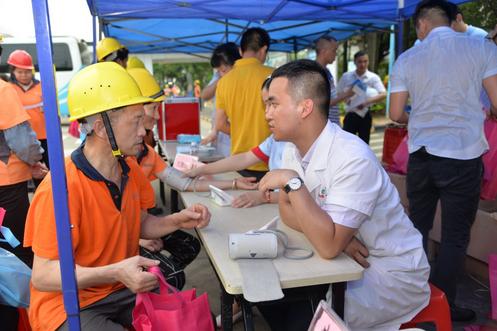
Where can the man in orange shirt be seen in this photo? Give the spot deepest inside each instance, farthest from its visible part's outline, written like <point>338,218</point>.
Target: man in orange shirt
<point>19,156</point>
<point>108,195</point>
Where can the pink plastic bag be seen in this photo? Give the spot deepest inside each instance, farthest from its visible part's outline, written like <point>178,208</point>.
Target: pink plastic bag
<point>489,185</point>
<point>171,310</point>
<point>400,158</point>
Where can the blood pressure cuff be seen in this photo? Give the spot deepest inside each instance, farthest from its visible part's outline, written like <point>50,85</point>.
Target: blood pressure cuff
<point>174,178</point>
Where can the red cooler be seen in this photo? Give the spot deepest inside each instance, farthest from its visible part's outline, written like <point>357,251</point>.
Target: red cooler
<point>178,115</point>
<point>392,137</point>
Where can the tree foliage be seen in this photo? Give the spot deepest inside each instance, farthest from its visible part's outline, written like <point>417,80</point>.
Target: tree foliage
<point>480,13</point>
<point>183,74</point>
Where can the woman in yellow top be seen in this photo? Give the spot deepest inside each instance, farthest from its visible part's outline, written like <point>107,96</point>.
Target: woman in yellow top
<point>29,90</point>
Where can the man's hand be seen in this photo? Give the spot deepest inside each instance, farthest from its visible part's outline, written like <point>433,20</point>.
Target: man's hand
<point>276,179</point>
<point>194,172</point>
<point>246,183</point>
<point>356,250</point>
<point>362,106</point>
<point>249,199</point>
<point>492,35</point>
<point>39,170</point>
<point>131,273</point>
<point>211,137</point>
<point>195,216</point>
<point>348,94</point>
<point>153,245</point>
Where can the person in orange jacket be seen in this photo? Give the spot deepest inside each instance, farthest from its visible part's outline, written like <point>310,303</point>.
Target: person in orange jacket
<point>29,90</point>
<point>20,152</point>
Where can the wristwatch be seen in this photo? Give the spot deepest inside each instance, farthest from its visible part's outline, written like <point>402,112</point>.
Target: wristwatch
<point>293,184</point>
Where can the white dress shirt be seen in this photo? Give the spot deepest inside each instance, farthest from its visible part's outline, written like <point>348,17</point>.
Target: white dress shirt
<point>346,180</point>
<point>443,75</point>
<point>370,79</point>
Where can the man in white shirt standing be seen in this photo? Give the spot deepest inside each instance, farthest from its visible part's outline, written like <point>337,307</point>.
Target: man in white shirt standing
<point>326,52</point>
<point>458,24</point>
<point>358,118</point>
<point>443,76</point>
<point>334,190</point>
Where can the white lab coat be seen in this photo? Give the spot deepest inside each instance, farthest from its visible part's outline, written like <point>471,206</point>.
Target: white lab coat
<point>343,174</point>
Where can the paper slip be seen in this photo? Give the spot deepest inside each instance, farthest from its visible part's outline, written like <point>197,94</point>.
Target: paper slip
<point>360,95</point>
<point>185,162</point>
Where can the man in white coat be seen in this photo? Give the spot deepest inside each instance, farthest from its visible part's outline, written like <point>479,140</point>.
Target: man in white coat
<point>334,190</point>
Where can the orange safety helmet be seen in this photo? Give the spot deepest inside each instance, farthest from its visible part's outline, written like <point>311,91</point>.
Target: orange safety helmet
<point>20,59</point>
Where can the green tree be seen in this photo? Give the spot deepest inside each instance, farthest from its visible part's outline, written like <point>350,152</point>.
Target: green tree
<point>183,74</point>
<point>480,13</point>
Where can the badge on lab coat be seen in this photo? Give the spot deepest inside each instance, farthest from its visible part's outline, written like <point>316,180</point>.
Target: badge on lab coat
<point>322,196</point>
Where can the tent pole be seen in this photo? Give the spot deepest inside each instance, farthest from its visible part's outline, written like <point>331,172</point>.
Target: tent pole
<point>345,60</point>
<point>226,32</point>
<point>400,27</point>
<point>94,25</point>
<point>56,157</point>
<point>391,59</point>
<point>295,49</point>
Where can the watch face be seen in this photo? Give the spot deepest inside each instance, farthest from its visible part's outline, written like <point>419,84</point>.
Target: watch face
<point>294,183</point>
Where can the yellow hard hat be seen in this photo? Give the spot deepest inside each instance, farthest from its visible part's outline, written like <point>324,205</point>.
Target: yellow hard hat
<point>107,46</point>
<point>100,87</point>
<point>147,83</point>
<point>134,62</point>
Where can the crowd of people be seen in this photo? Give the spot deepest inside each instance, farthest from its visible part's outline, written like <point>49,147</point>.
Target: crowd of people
<point>280,129</point>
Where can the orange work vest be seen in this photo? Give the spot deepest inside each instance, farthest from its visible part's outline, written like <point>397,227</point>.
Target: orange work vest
<point>12,114</point>
<point>32,101</point>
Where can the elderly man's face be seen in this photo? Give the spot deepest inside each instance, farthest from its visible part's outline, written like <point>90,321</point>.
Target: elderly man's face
<point>282,112</point>
<point>129,130</point>
<point>151,115</point>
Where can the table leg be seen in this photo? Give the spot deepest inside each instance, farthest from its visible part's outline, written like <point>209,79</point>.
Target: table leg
<point>339,298</point>
<point>161,184</point>
<point>226,310</point>
<point>174,201</point>
<point>162,192</point>
<point>248,317</point>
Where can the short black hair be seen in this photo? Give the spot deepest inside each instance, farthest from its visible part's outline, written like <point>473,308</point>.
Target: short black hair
<point>254,39</point>
<point>359,54</point>
<point>226,54</point>
<point>266,83</point>
<point>318,44</point>
<point>445,8</point>
<point>454,10</point>
<point>307,79</point>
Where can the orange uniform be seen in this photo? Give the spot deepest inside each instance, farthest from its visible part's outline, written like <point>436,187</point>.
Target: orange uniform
<point>105,227</point>
<point>151,162</point>
<point>32,100</point>
<point>12,114</point>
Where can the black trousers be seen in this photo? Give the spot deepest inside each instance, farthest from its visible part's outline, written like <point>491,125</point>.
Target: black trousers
<point>456,183</point>
<point>295,311</point>
<point>356,124</point>
<point>14,199</point>
<point>183,249</point>
<point>44,159</point>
